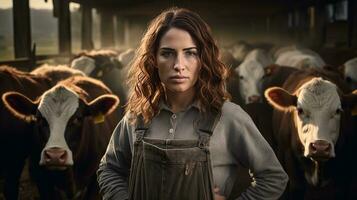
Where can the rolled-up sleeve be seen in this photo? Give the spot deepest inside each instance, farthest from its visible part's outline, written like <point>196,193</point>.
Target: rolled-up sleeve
<point>113,172</point>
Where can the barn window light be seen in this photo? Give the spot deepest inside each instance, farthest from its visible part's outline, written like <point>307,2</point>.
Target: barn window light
<point>341,10</point>
<point>330,13</point>
<point>311,12</point>
<point>6,31</point>
<point>290,20</point>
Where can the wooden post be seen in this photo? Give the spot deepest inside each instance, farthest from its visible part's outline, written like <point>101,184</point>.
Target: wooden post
<point>120,30</point>
<point>87,25</point>
<point>126,33</point>
<point>319,29</point>
<point>106,29</point>
<point>352,23</point>
<point>22,28</point>
<point>64,27</point>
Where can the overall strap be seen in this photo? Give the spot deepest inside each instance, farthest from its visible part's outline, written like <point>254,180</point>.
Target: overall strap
<point>140,128</point>
<point>206,125</point>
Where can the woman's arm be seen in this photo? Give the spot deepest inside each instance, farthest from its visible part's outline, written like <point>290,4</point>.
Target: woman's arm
<point>254,152</point>
<point>113,172</point>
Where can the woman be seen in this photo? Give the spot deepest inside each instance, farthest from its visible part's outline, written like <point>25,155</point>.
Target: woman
<point>181,138</point>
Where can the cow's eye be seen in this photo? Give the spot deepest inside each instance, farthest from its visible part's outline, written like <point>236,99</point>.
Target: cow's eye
<point>300,111</point>
<point>339,111</point>
<point>241,77</point>
<point>305,129</point>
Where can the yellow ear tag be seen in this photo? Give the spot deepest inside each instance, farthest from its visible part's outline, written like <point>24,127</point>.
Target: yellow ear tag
<point>354,111</point>
<point>100,74</point>
<point>268,71</point>
<point>99,118</point>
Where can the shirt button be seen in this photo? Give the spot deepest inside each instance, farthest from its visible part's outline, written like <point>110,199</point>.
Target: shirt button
<point>171,130</point>
<point>173,116</point>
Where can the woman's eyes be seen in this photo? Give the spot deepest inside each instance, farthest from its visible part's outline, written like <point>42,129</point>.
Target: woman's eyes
<point>167,54</point>
<point>191,53</point>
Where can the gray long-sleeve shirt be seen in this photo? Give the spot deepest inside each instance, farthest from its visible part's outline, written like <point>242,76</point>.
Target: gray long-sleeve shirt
<point>235,140</point>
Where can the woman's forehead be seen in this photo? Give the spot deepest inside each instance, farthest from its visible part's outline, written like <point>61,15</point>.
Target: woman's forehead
<point>177,38</point>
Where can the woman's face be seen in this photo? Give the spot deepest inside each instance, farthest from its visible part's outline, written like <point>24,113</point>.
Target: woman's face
<point>178,62</point>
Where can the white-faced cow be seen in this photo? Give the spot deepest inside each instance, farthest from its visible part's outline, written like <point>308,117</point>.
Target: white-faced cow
<point>251,73</point>
<point>72,125</point>
<point>239,50</point>
<point>299,58</point>
<point>12,128</point>
<point>96,63</point>
<point>108,66</point>
<point>15,133</point>
<point>312,128</point>
<point>349,70</point>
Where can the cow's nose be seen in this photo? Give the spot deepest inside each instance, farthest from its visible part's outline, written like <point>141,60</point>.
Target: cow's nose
<point>55,156</point>
<point>320,148</point>
<point>254,99</point>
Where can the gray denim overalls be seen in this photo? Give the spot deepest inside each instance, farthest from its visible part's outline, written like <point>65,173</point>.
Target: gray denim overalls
<point>172,169</point>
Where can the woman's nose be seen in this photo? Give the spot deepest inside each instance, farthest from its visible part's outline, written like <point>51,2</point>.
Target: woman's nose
<point>179,63</point>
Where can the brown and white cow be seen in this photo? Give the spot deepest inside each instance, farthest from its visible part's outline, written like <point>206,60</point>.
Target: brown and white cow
<point>312,127</point>
<point>12,128</point>
<point>108,66</point>
<point>72,125</point>
<point>251,73</point>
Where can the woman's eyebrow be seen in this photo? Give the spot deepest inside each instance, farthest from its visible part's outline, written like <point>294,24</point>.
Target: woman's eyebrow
<point>167,49</point>
<point>171,49</point>
<point>190,48</point>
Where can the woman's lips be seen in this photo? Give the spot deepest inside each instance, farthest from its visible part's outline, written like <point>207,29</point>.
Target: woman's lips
<point>178,79</point>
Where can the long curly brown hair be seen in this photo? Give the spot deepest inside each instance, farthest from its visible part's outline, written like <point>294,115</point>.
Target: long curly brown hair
<point>146,88</point>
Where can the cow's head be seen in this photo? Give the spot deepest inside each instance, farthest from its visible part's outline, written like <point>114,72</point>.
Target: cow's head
<point>58,116</point>
<point>305,61</point>
<point>84,64</point>
<point>126,57</point>
<point>96,66</point>
<point>239,50</point>
<point>250,73</point>
<point>349,70</point>
<point>316,109</point>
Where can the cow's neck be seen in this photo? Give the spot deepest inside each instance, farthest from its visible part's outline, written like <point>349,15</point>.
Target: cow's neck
<point>315,172</point>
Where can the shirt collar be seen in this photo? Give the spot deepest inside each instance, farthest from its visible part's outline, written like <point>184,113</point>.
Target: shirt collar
<point>164,106</point>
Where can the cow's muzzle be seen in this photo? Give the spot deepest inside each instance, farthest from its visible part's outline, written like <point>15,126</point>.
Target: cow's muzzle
<point>55,158</point>
<point>320,150</point>
<point>254,99</point>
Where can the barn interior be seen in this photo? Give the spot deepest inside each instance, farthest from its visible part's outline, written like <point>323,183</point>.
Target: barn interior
<point>56,31</point>
<point>70,26</point>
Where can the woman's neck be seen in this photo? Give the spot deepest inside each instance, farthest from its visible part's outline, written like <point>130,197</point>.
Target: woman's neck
<point>179,101</point>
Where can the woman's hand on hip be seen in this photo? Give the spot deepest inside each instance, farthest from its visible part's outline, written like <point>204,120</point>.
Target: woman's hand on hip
<point>217,195</point>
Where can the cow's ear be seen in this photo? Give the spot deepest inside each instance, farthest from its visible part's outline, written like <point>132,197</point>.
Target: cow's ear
<point>103,105</point>
<point>20,106</point>
<point>350,100</point>
<point>280,98</point>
